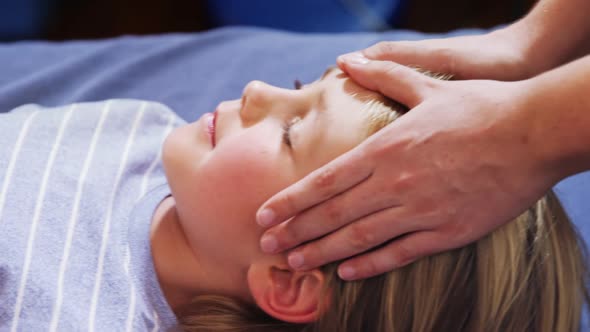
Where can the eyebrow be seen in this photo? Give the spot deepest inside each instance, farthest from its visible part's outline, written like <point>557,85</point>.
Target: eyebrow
<point>322,96</point>
<point>328,71</point>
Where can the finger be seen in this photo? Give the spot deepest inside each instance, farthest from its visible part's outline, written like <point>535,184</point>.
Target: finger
<point>359,201</point>
<point>431,55</point>
<point>324,183</point>
<point>355,238</point>
<point>409,53</point>
<point>396,254</point>
<point>398,82</point>
<point>399,51</point>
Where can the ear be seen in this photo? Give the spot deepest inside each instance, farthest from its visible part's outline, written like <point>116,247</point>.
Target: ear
<point>291,296</point>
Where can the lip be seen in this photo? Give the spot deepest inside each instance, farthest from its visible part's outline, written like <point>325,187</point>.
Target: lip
<point>211,127</point>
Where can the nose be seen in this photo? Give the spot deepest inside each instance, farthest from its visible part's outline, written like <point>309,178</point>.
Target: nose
<point>260,100</point>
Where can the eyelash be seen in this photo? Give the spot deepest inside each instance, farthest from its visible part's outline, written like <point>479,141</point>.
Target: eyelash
<point>287,130</point>
<point>287,133</point>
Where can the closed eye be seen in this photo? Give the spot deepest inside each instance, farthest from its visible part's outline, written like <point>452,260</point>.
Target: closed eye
<point>287,125</point>
<point>287,133</point>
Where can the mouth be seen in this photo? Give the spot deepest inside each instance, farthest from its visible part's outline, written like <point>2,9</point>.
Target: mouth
<point>211,123</point>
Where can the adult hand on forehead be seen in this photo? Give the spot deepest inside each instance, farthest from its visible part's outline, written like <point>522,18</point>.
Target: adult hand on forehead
<point>458,165</point>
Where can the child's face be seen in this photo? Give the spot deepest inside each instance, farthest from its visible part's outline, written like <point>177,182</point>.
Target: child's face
<point>218,188</point>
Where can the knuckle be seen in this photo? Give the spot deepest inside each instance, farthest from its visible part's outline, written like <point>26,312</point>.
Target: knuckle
<point>287,202</point>
<point>314,255</point>
<point>289,235</point>
<point>370,267</point>
<point>460,232</point>
<point>326,178</point>
<point>443,53</point>
<point>381,48</point>
<point>403,254</point>
<point>361,238</point>
<point>383,74</point>
<point>446,57</point>
<point>333,212</point>
<point>391,69</point>
<point>404,183</point>
<point>429,84</point>
<point>378,150</point>
<point>428,209</point>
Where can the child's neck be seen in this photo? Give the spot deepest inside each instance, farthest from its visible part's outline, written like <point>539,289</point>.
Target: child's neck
<point>174,262</point>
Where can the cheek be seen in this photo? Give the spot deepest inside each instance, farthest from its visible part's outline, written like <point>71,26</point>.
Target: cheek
<point>241,177</point>
<point>227,189</point>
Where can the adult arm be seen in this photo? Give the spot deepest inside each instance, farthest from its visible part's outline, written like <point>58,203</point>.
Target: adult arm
<point>468,157</point>
<point>561,123</point>
<point>553,33</point>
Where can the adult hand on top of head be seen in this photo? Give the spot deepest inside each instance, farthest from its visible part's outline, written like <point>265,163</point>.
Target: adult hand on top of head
<point>498,55</point>
<point>458,165</point>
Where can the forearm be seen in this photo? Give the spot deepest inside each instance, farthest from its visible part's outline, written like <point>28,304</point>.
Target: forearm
<point>553,33</point>
<point>559,102</point>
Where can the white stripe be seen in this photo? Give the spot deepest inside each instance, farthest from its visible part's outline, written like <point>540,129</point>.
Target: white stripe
<point>13,157</point>
<point>154,163</point>
<point>132,300</point>
<point>156,322</point>
<point>36,217</point>
<point>131,312</point>
<point>74,218</point>
<point>107,224</point>
<point>144,184</point>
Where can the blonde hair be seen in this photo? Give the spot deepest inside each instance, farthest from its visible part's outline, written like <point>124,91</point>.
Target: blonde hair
<point>528,275</point>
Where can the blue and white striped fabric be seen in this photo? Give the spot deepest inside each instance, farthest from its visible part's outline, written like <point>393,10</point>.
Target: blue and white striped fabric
<point>78,186</point>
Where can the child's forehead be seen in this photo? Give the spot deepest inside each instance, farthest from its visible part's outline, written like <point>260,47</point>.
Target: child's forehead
<point>330,72</point>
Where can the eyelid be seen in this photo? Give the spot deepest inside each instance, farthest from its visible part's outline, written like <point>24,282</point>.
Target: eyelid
<point>287,125</point>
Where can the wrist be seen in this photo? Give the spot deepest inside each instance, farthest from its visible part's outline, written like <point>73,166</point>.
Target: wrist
<point>559,127</point>
<point>533,53</point>
<point>515,40</point>
<point>554,33</point>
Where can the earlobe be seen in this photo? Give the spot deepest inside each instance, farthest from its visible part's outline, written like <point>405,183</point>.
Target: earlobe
<point>291,296</point>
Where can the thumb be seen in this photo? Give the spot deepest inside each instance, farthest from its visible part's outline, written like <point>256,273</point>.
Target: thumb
<point>398,82</point>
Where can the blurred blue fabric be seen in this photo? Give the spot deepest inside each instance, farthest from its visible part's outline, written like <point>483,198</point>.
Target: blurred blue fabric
<point>191,73</point>
<point>23,19</point>
<point>307,15</point>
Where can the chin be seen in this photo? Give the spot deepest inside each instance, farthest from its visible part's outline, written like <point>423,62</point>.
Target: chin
<point>180,151</point>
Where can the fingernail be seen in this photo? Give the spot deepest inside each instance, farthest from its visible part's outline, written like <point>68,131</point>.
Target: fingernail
<point>346,273</point>
<point>354,58</point>
<point>269,244</point>
<point>295,260</point>
<point>265,217</point>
